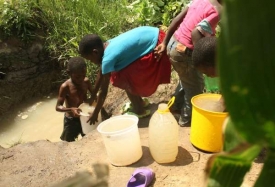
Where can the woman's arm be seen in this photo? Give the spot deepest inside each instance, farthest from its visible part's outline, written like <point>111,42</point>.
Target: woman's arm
<point>171,30</point>
<point>196,35</point>
<point>105,80</point>
<point>94,91</point>
<point>174,25</point>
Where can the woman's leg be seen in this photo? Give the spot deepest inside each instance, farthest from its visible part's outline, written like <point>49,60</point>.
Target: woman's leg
<point>136,102</point>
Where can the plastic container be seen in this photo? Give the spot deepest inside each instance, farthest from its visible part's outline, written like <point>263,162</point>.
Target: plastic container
<point>121,139</point>
<point>207,121</point>
<point>163,134</point>
<point>84,116</point>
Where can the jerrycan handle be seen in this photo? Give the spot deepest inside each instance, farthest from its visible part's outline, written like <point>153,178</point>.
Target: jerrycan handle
<point>170,103</point>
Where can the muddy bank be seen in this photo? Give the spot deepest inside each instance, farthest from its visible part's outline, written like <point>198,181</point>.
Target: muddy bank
<point>43,164</point>
<point>27,71</point>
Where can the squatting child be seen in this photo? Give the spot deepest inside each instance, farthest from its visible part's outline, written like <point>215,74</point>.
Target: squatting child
<point>205,58</point>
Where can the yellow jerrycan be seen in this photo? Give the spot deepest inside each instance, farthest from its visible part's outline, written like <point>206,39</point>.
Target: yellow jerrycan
<point>163,134</point>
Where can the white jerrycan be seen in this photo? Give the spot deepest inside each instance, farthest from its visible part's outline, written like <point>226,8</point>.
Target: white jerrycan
<point>163,134</point>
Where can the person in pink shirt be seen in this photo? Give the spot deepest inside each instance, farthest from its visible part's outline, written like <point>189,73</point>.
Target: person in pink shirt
<point>199,19</point>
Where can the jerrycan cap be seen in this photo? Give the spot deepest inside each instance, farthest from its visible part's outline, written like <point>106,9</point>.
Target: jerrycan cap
<point>169,104</point>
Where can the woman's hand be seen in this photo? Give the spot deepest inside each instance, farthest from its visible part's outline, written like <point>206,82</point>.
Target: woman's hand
<point>93,118</point>
<point>159,50</point>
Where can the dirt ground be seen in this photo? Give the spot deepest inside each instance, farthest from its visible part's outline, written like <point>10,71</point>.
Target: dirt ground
<point>43,163</point>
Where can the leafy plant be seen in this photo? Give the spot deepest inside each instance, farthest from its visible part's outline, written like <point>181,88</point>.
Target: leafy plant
<point>246,66</point>
<point>155,12</point>
<point>171,10</point>
<point>69,22</point>
<point>144,12</point>
<point>20,18</point>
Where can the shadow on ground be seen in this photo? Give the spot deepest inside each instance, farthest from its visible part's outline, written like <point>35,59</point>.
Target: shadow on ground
<point>183,158</point>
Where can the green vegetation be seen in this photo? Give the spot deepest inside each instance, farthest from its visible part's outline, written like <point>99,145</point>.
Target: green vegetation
<point>63,23</point>
<point>246,66</point>
<point>155,12</point>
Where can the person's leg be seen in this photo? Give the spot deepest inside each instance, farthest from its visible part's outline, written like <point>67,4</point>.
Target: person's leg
<point>191,79</point>
<point>72,128</point>
<point>193,84</point>
<point>180,65</point>
<point>179,99</point>
<point>79,127</point>
<point>136,102</point>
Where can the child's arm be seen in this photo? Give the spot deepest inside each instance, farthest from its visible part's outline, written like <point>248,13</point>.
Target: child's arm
<point>204,27</point>
<point>63,91</point>
<point>172,28</point>
<point>105,80</point>
<point>196,35</point>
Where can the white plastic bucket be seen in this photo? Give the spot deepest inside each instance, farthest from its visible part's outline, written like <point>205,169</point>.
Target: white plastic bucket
<point>84,116</point>
<point>121,139</point>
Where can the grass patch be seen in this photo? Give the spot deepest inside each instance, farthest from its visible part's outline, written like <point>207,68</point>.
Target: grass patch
<point>15,143</point>
<point>63,23</point>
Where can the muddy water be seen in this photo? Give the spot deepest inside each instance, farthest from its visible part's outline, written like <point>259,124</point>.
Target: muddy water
<point>210,104</point>
<point>36,120</point>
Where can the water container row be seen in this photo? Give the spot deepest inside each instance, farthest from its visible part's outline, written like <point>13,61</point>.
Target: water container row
<point>122,140</point>
<point>120,133</point>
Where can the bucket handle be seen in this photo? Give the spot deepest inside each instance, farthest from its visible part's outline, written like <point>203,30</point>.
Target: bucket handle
<point>170,103</point>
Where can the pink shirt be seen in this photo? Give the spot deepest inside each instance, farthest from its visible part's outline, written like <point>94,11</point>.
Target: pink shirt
<point>198,11</point>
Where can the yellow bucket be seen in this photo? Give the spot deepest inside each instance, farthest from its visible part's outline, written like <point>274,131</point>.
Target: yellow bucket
<point>207,121</point>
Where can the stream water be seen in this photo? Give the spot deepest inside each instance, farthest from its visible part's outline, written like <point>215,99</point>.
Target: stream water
<point>35,120</point>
